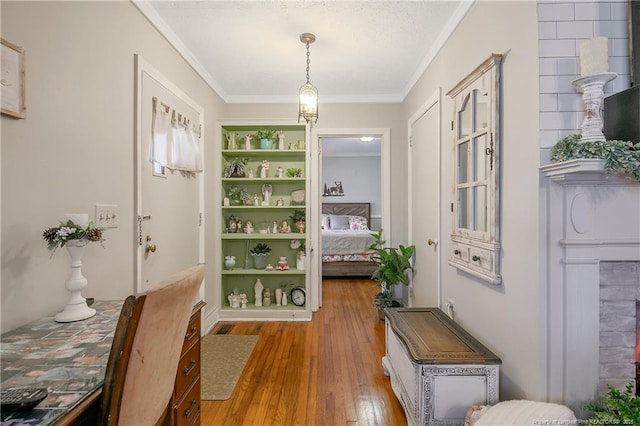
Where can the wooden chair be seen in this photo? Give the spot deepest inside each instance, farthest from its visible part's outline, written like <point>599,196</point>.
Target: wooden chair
<point>146,348</point>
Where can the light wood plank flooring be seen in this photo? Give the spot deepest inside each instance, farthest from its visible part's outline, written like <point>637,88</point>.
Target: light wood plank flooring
<point>324,372</point>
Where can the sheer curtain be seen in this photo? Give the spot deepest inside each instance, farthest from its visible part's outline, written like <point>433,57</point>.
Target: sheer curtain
<point>175,143</point>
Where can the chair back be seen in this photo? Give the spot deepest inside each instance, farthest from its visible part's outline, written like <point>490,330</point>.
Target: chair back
<point>146,349</point>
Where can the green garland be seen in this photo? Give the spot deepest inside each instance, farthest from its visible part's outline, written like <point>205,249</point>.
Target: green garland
<point>619,156</point>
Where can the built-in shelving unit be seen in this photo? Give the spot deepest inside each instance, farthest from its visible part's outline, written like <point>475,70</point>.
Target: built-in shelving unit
<point>288,194</point>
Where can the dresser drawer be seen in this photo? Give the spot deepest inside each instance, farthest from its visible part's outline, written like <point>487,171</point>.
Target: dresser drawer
<point>188,370</point>
<point>482,259</point>
<point>193,332</point>
<point>188,409</point>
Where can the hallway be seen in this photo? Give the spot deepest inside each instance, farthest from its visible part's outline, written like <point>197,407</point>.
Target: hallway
<point>324,372</point>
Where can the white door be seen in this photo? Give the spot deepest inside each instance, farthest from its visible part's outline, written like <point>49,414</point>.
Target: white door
<point>169,204</point>
<point>424,199</point>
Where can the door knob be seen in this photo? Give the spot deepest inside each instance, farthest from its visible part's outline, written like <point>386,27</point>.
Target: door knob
<point>149,247</point>
<point>431,242</point>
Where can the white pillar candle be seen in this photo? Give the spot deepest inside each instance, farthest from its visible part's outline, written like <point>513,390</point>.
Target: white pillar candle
<point>594,56</point>
<point>80,219</point>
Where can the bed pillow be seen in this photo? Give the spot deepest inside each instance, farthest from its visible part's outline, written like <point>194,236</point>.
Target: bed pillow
<point>358,223</point>
<point>325,221</point>
<point>339,221</point>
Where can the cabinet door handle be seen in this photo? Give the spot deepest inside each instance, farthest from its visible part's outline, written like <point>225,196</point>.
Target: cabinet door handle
<point>457,252</point>
<point>190,367</point>
<point>187,412</point>
<point>475,258</point>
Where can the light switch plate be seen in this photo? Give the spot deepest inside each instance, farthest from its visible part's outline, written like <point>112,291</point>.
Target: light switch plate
<point>106,216</point>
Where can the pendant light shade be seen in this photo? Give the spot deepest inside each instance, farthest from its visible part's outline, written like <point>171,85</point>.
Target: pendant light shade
<point>308,95</point>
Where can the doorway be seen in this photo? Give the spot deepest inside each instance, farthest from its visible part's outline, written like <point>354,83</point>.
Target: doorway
<point>344,167</point>
<point>424,202</point>
<point>169,204</point>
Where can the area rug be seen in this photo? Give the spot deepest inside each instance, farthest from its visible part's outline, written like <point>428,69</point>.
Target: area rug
<point>223,359</point>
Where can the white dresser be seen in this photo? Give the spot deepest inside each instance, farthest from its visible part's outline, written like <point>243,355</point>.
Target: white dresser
<point>437,369</point>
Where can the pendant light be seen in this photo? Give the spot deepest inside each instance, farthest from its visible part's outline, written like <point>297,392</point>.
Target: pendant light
<point>308,95</point>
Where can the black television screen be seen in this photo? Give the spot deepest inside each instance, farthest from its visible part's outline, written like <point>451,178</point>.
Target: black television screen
<point>622,115</point>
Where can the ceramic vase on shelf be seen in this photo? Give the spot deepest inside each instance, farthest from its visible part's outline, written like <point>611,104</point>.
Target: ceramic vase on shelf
<point>76,308</point>
<point>230,262</point>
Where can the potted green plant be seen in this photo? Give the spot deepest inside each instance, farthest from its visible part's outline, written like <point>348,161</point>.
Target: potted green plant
<point>616,408</point>
<point>294,172</point>
<point>393,265</point>
<point>237,196</point>
<point>235,168</point>
<point>266,138</point>
<point>260,252</point>
<point>298,219</point>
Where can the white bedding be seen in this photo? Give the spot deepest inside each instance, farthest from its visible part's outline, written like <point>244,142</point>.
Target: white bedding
<point>346,241</point>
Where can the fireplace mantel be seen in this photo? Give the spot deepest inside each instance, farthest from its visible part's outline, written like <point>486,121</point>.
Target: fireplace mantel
<point>592,215</point>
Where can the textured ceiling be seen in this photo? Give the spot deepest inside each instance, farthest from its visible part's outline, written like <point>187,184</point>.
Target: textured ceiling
<point>249,51</point>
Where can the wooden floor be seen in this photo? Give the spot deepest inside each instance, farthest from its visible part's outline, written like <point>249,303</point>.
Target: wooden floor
<point>324,372</point>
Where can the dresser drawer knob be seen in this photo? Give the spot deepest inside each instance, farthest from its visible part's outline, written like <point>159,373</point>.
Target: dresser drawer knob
<point>190,367</point>
<point>191,333</point>
<point>187,412</point>
<point>457,252</point>
<point>475,258</point>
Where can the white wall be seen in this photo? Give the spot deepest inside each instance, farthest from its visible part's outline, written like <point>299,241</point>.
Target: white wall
<point>75,148</point>
<point>360,177</point>
<point>505,318</point>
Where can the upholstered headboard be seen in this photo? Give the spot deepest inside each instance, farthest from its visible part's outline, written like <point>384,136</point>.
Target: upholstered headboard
<point>351,209</point>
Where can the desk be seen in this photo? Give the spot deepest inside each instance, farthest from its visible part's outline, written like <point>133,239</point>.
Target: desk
<point>69,359</point>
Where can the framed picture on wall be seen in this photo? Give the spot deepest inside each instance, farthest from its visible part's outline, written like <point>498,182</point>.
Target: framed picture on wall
<point>12,85</point>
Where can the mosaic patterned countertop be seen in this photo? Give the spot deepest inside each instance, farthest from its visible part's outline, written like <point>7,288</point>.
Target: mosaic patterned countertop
<point>69,359</point>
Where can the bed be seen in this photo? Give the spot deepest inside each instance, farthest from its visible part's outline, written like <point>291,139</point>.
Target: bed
<point>345,245</point>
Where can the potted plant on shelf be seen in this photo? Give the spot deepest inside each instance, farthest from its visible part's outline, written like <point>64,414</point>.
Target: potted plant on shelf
<point>235,168</point>
<point>237,196</point>
<point>393,265</point>
<point>260,253</point>
<point>298,219</point>
<point>294,172</point>
<point>266,138</point>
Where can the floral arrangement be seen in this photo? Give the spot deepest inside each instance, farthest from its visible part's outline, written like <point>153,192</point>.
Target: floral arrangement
<point>60,235</point>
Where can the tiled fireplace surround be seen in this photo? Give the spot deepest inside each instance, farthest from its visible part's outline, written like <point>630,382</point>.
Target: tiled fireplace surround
<point>593,246</point>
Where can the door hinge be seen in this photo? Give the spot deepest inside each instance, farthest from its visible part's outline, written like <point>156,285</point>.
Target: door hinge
<point>451,207</point>
<point>451,124</point>
<point>139,230</point>
<point>200,219</point>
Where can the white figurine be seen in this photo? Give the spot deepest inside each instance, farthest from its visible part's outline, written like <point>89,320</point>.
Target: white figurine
<point>243,301</point>
<point>284,228</point>
<point>267,190</point>
<point>248,227</point>
<point>266,298</point>
<point>274,229</point>
<point>256,200</point>
<point>280,172</point>
<point>281,139</point>
<point>257,288</point>
<point>234,300</point>
<point>264,169</point>
<point>251,176</point>
<point>247,141</point>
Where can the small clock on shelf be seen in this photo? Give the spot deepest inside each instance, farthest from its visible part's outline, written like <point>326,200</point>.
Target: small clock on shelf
<point>298,296</point>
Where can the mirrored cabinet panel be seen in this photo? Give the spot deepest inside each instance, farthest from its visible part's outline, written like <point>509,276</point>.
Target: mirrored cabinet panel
<point>476,226</point>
